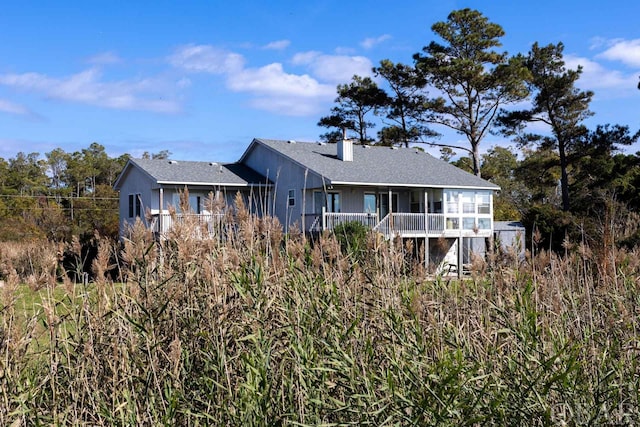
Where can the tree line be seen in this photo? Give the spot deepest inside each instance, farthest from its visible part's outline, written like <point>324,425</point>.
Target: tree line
<point>563,179</point>
<point>61,195</point>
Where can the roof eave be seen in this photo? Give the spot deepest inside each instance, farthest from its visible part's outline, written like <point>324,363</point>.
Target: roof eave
<point>387,184</point>
<point>216,184</point>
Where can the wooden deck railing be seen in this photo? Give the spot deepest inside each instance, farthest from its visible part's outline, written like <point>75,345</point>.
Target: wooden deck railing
<point>205,223</point>
<point>333,219</point>
<point>397,223</point>
<point>404,223</point>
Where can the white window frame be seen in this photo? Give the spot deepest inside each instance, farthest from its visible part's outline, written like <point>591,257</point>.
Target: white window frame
<point>135,205</point>
<point>291,198</point>
<point>375,202</point>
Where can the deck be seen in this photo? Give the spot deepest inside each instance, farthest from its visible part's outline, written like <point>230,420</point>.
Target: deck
<point>403,224</point>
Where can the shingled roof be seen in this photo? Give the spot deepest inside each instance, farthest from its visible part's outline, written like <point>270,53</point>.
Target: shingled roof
<point>375,165</point>
<point>197,173</point>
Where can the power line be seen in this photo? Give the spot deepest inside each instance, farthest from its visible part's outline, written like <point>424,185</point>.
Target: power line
<point>17,196</point>
<point>74,209</point>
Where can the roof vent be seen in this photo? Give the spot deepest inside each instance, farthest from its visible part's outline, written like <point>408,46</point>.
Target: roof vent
<point>321,143</point>
<point>173,162</point>
<point>213,164</point>
<point>291,141</point>
<point>366,146</point>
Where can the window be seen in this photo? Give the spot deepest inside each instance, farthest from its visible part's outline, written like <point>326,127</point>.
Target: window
<point>468,202</point>
<point>135,205</point>
<point>330,201</point>
<point>384,203</point>
<point>453,223</point>
<point>484,203</point>
<point>484,223</point>
<point>452,202</point>
<point>194,204</point>
<point>468,223</point>
<point>291,199</point>
<point>434,200</point>
<point>333,202</point>
<point>370,203</point>
<point>416,201</point>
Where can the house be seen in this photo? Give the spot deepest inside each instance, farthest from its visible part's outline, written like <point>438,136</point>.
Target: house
<point>399,192</point>
<point>149,187</point>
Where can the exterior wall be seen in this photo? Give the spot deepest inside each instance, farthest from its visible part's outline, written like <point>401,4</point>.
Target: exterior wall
<point>140,185</point>
<point>286,176</point>
<point>510,238</point>
<point>352,198</point>
<point>171,197</point>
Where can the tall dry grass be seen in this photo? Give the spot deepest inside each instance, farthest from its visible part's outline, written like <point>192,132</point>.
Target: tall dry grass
<point>254,327</point>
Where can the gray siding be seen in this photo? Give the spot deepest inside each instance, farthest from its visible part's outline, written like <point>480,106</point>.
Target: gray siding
<point>285,176</point>
<point>136,182</point>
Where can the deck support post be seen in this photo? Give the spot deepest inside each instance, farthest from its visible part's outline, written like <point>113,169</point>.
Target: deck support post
<point>460,257</point>
<point>160,208</point>
<point>426,253</point>
<point>324,218</point>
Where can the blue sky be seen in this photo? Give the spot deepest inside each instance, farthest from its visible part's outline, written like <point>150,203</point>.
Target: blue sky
<point>202,78</point>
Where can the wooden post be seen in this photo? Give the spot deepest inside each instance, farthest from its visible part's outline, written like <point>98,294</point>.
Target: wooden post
<point>460,257</point>
<point>160,210</point>
<point>324,218</point>
<point>426,253</point>
<point>426,230</point>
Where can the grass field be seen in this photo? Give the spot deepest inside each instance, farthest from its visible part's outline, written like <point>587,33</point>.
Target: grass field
<point>260,328</point>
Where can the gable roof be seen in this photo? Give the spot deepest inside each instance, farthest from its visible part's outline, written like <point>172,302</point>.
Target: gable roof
<point>373,165</point>
<point>181,172</point>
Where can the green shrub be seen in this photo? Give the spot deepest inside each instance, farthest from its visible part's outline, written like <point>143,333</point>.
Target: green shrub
<point>352,237</point>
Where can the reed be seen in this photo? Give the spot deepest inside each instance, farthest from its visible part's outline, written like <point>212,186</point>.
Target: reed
<point>257,327</point>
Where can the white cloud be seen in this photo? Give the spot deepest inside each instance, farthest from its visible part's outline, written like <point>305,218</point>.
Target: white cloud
<point>334,68</point>
<point>277,45</point>
<point>184,82</point>
<point>105,58</point>
<point>270,87</point>
<point>289,106</point>
<point>13,108</point>
<point>206,59</point>
<point>598,43</point>
<point>370,42</point>
<point>625,51</point>
<point>86,87</point>
<point>272,79</point>
<point>341,50</point>
<point>594,76</point>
